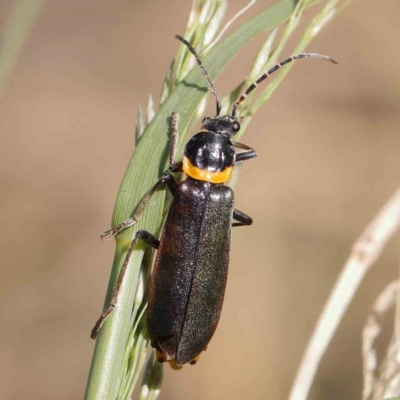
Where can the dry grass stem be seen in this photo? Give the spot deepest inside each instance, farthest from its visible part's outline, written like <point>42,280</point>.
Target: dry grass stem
<point>365,252</point>
<point>387,385</point>
<point>372,329</point>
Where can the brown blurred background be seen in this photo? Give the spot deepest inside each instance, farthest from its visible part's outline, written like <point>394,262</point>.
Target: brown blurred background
<point>328,146</point>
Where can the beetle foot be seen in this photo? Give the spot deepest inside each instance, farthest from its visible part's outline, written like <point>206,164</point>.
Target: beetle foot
<point>194,361</point>
<point>112,232</point>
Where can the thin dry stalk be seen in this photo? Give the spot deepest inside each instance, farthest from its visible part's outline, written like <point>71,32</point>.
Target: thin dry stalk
<point>365,252</point>
<point>387,385</point>
<point>372,329</point>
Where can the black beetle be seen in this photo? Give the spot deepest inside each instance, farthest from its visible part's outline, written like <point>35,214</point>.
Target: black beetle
<point>189,275</point>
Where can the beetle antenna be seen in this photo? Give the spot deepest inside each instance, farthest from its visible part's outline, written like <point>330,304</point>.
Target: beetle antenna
<point>243,97</point>
<point>204,71</point>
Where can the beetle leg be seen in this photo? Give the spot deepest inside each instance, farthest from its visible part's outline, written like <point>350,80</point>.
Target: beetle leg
<point>150,240</point>
<point>174,137</point>
<point>248,154</point>
<point>161,358</point>
<point>165,179</point>
<point>174,167</point>
<point>242,218</point>
<point>177,167</point>
<point>194,361</point>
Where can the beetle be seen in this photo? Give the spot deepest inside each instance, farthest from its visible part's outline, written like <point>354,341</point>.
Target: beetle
<point>189,276</point>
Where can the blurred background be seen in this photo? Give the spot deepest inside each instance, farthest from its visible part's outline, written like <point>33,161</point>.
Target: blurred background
<point>328,144</point>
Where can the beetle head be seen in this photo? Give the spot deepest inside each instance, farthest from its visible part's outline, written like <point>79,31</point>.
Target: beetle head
<point>223,125</point>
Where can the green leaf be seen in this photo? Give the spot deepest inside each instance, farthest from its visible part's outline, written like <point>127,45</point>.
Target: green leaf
<point>146,166</point>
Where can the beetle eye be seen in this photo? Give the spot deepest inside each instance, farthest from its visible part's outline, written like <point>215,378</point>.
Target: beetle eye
<point>236,127</point>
